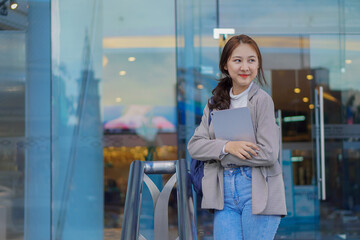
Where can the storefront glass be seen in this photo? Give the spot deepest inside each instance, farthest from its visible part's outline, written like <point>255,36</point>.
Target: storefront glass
<point>25,120</point>
<point>138,103</point>
<point>76,58</point>
<point>12,133</point>
<point>304,47</point>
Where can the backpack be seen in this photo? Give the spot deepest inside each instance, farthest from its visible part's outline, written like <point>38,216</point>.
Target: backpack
<point>197,169</point>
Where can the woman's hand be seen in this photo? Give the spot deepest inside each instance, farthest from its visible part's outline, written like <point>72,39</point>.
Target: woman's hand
<point>241,149</point>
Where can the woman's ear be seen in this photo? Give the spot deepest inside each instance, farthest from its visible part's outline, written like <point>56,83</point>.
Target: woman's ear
<point>225,67</point>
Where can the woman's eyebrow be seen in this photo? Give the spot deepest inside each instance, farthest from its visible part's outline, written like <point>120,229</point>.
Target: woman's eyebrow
<point>252,56</point>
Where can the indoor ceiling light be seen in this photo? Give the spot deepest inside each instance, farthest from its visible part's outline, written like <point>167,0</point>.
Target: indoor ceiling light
<point>309,77</point>
<point>297,90</point>
<point>122,73</point>
<point>348,61</point>
<point>305,99</point>
<point>13,4</point>
<point>311,106</point>
<point>200,86</point>
<point>131,59</point>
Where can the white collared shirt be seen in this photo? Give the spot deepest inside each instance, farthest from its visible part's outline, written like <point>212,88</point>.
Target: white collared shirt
<point>240,100</point>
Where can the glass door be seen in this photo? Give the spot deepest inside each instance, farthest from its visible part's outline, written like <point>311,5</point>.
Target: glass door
<point>317,92</point>
<point>339,61</point>
<point>303,50</point>
<point>287,60</point>
<point>319,100</point>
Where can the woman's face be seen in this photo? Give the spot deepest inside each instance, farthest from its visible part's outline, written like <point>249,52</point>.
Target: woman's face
<point>242,66</point>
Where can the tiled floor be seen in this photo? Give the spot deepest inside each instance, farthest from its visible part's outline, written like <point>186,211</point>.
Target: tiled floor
<point>289,233</point>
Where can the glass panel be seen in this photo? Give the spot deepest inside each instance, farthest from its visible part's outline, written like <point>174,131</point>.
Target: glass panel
<point>338,56</point>
<point>197,71</point>
<point>37,222</point>
<point>288,61</point>
<point>24,121</point>
<point>12,134</point>
<point>77,154</point>
<point>138,102</point>
<point>197,63</point>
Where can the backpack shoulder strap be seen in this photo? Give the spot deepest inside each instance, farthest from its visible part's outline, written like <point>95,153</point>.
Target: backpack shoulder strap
<point>211,101</point>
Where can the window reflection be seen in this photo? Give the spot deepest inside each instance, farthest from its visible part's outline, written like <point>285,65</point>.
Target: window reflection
<point>302,162</point>
<point>12,132</point>
<point>138,101</point>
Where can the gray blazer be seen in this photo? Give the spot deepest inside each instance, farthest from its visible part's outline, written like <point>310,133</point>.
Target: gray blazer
<point>268,194</point>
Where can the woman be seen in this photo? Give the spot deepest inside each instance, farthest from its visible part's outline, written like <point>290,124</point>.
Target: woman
<point>242,181</point>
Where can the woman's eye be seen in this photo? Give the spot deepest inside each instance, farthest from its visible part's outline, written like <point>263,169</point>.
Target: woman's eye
<point>237,60</point>
<point>252,60</point>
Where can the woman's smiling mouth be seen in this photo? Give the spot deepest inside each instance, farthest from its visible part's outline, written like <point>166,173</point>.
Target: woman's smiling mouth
<point>244,75</point>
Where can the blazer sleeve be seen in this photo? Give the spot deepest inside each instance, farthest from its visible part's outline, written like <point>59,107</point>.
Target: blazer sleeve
<point>200,146</point>
<point>267,134</point>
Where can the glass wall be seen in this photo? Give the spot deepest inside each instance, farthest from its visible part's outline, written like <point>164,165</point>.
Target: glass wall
<point>138,102</point>
<point>304,47</point>
<point>77,179</point>
<point>80,102</point>
<point>50,186</point>
<point>25,125</point>
<point>12,133</point>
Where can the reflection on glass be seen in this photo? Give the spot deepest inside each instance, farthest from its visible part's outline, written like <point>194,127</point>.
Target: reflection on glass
<point>340,211</point>
<point>76,153</point>
<point>302,162</point>
<point>138,101</point>
<point>12,134</point>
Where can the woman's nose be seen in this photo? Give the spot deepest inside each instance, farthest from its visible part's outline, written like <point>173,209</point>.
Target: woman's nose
<point>244,66</point>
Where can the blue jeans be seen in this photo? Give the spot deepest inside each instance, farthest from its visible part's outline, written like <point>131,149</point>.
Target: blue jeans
<point>236,220</point>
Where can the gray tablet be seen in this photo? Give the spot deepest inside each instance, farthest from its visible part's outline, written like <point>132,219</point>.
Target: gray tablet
<point>233,124</point>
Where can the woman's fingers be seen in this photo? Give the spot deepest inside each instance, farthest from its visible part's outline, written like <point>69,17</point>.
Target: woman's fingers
<point>244,153</point>
<point>252,145</point>
<point>250,150</point>
<point>242,149</point>
<point>239,155</point>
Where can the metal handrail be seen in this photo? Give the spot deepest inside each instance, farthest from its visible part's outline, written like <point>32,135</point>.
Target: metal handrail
<point>186,218</point>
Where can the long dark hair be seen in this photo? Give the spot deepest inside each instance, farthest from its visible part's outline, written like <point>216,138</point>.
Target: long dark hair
<point>221,96</point>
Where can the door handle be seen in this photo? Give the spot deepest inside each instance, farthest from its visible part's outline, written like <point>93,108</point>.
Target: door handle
<point>279,117</point>
<point>320,143</point>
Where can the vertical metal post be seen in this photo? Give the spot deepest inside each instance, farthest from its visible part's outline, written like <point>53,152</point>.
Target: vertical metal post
<point>322,143</point>
<point>130,227</point>
<point>186,218</point>
<point>279,115</point>
<point>317,138</point>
